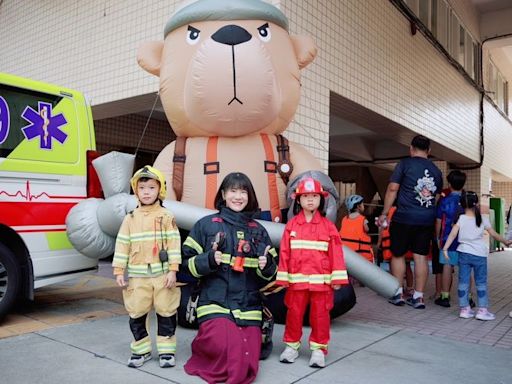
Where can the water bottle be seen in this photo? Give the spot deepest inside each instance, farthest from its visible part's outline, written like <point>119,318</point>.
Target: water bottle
<point>384,223</point>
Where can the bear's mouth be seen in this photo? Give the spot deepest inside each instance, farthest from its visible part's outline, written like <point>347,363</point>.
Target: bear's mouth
<point>235,98</point>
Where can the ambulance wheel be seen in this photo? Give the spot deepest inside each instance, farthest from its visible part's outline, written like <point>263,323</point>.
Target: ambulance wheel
<point>10,277</point>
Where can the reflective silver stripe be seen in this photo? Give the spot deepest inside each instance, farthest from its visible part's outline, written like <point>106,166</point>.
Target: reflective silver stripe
<point>193,244</point>
<point>309,244</point>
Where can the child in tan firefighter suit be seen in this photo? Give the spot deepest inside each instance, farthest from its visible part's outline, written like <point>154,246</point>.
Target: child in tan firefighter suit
<point>311,266</point>
<point>148,246</point>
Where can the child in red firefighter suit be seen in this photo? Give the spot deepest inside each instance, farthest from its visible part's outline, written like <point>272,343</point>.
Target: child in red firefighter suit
<point>311,265</point>
<point>148,246</point>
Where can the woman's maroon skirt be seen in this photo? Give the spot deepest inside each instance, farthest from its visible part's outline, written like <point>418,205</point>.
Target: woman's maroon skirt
<point>224,352</point>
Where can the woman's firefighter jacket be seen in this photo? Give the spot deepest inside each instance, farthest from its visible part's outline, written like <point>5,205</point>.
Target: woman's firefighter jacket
<point>225,291</point>
<point>310,255</point>
<point>144,233</point>
<point>354,236</point>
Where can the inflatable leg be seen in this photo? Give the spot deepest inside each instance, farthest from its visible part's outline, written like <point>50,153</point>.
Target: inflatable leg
<point>369,274</point>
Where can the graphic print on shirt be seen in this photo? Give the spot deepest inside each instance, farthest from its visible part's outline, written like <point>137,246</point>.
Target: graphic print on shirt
<point>426,190</point>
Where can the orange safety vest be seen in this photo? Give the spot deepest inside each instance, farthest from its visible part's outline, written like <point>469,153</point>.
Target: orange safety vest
<point>354,236</point>
<point>386,240</point>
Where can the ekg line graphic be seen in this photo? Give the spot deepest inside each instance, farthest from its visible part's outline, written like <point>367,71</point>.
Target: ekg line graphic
<point>29,196</point>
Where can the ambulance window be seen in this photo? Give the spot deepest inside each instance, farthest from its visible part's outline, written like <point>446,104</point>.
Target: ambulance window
<point>13,102</point>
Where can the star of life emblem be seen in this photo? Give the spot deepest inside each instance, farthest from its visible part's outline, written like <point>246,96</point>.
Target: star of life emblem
<point>44,125</point>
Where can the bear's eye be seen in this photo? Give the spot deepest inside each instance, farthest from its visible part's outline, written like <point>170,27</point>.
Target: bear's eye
<point>264,32</point>
<point>193,35</point>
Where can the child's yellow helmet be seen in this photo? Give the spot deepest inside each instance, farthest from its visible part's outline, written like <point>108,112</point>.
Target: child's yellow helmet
<point>151,173</point>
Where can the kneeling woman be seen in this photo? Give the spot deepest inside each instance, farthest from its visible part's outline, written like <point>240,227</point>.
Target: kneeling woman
<point>232,256</point>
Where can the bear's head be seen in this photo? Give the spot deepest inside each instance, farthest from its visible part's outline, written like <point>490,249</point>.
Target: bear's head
<point>228,68</point>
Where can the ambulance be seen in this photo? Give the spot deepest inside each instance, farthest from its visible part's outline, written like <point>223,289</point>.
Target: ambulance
<point>47,144</point>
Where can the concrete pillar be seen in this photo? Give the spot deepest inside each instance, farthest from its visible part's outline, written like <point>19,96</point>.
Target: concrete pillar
<point>478,181</point>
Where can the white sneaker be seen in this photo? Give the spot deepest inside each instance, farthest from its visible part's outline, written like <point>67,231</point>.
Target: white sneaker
<point>137,361</point>
<point>484,314</point>
<point>466,312</point>
<point>289,355</point>
<point>317,359</point>
<point>510,314</point>
<point>167,360</point>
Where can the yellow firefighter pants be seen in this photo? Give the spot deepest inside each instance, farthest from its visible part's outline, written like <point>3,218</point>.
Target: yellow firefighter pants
<point>143,294</point>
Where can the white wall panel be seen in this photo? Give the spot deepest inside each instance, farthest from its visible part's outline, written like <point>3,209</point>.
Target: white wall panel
<point>366,54</point>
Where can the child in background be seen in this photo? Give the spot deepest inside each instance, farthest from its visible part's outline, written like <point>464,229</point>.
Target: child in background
<point>311,266</point>
<point>473,251</point>
<point>384,244</point>
<point>148,246</point>
<point>354,228</point>
<point>448,209</point>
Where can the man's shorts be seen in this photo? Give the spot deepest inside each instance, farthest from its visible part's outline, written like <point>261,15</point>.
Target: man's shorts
<point>405,237</point>
<point>454,257</point>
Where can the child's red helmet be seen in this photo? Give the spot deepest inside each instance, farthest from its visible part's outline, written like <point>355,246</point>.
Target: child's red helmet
<point>309,185</point>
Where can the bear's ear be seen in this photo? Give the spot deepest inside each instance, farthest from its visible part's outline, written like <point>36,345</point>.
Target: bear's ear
<point>305,50</point>
<point>149,56</point>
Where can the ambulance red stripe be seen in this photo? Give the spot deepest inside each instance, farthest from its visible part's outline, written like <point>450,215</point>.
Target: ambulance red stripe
<point>15,214</point>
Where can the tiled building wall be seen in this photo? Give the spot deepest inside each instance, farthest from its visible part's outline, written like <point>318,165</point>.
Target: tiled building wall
<point>497,140</point>
<point>85,45</point>
<point>468,16</point>
<point>445,169</point>
<point>366,54</point>
<point>125,132</point>
<point>478,180</point>
<point>503,189</point>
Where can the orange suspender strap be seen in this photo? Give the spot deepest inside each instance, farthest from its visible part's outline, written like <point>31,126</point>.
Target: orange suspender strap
<point>284,167</point>
<point>211,170</point>
<point>178,168</point>
<point>270,167</point>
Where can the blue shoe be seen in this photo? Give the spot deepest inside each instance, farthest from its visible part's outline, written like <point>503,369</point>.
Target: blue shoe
<point>416,303</point>
<point>398,299</point>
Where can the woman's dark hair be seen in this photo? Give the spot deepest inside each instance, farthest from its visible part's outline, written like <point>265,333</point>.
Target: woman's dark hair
<point>237,180</point>
<point>469,200</point>
<point>297,208</point>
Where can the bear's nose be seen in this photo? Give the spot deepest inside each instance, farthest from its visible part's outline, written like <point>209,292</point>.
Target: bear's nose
<point>231,35</point>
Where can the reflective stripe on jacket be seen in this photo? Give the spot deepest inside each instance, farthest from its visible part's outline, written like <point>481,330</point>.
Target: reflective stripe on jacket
<point>143,233</point>
<point>226,292</point>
